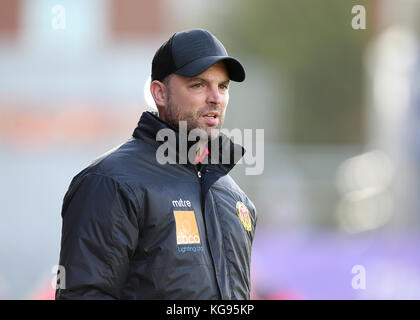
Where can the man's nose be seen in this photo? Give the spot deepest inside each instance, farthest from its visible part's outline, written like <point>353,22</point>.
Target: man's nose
<point>213,96</point>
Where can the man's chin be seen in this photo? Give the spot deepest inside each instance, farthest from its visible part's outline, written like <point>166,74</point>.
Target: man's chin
<point>212,133</point>
<point>207,133</point>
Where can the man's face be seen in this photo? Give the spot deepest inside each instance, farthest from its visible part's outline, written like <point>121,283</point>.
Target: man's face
<point>200,100</point>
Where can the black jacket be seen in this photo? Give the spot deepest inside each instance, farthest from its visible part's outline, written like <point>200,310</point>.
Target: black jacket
<point>136,229</point>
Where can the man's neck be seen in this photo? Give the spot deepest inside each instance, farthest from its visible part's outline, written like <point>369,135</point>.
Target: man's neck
<point>202,151</point>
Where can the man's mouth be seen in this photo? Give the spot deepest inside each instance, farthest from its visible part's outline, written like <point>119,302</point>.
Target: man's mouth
<point>211,118</point>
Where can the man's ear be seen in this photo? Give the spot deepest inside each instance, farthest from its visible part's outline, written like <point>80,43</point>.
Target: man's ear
<point>159,93</point>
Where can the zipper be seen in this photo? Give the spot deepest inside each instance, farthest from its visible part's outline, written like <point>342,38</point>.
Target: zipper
<point>203,208</point>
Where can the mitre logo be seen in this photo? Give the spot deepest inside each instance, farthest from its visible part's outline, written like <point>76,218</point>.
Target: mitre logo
<point>181,203</point>
<point>186,227</point>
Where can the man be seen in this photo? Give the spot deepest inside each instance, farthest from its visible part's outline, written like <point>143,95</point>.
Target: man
<point>136,228</point>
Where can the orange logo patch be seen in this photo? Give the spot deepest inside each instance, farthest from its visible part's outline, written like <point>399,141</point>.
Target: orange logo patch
<point>186,227</point>
<point>244,215</point>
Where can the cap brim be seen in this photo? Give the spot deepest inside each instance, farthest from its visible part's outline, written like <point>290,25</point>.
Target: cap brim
<point>235,69</point>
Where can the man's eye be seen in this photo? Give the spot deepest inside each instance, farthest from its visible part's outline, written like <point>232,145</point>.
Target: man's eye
<point>223,87</point>
<point>197,85</point>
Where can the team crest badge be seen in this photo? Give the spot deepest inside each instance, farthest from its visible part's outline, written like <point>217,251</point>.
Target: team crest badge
<point>244,215</point>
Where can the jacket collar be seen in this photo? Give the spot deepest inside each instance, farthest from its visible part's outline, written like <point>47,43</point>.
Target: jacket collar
<point>150,124</point>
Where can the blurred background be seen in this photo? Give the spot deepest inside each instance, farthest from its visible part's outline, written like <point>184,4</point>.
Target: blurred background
<point>338,199</point>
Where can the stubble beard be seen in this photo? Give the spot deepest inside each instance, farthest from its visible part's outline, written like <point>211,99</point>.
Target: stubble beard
<point>176,113</point>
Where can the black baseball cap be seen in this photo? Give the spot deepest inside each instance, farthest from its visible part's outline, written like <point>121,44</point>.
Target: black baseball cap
<point>192,52</point>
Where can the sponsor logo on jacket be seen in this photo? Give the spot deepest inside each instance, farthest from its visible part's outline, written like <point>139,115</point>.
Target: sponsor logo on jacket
<point>186,227</point>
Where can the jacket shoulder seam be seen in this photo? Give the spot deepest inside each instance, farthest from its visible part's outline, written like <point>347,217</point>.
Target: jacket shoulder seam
<point>126,187</point>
